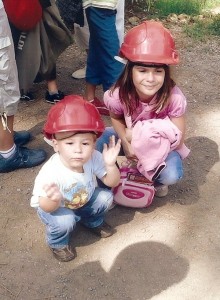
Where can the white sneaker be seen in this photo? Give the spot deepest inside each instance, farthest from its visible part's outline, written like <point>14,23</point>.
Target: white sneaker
<point>79,74</point>
<point>161,190</point>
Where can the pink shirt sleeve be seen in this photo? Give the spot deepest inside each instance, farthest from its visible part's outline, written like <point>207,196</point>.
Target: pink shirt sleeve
<point>175,109</point>
<point>177,105</point>
<point>113,103</point>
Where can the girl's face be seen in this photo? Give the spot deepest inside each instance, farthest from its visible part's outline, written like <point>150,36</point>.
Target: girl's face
<point>75,150</point>
<point>147,81</point>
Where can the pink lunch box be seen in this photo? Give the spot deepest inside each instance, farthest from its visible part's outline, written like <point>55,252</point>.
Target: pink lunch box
<point>134,190</point>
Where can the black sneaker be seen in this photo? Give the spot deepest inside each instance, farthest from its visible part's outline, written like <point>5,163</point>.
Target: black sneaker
<point>21,137</point>
<point>64,254</point>
<point>104,230</point>
<point>54,98</point>
<point>22,158</point>
<point>27,97</point>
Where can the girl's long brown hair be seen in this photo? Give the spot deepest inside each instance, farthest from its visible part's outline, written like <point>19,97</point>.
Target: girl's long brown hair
<point>127,91</point>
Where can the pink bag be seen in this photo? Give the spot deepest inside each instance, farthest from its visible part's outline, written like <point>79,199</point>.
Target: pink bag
<point>134,190</point>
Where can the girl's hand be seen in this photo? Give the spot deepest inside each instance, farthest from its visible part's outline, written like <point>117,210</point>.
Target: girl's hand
<point>111,151</point>
<point>128,151</point>
<point>53,193</point>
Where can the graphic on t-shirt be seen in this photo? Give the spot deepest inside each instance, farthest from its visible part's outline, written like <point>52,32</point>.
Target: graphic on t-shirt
<point>77,198</point>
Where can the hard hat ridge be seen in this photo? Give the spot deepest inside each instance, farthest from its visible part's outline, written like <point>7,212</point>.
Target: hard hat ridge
<point>73,113</point>
<point>149,42</point>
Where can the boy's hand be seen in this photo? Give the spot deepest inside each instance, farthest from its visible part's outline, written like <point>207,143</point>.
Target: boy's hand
<point>53,192</point>
<point>111,151</point>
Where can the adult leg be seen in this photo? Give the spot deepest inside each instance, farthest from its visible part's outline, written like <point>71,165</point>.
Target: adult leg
<point>120,20</point>
<point>102,68</point>
<point>6,136</point>
<point>81,35</point>
<point>11,157</point>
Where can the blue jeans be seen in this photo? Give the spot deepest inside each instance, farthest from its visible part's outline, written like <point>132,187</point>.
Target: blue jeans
<point>173,171</point>
<point>60,223</point>
<point>101,67</point>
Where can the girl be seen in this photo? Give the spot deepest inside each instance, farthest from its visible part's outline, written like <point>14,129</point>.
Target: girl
<point>145,94</point>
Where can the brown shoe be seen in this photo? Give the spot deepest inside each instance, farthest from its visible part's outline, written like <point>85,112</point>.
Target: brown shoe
<point>104,230</point>
<point>66,253</point>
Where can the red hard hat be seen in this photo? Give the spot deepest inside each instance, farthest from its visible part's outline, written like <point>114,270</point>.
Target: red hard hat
<point>73,113</point>
<point>25,14</point>
<point>149,42</point>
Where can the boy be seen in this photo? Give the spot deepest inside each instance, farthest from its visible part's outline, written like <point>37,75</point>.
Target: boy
<point>65,189</point>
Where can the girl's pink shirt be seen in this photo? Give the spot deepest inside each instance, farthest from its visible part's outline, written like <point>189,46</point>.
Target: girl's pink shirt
<point>175,109</point>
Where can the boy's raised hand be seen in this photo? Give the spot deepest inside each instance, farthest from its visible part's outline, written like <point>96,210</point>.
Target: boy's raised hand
<point>111,151</point>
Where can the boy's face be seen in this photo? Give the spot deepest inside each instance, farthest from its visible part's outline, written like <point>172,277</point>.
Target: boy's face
<point>75,149</point>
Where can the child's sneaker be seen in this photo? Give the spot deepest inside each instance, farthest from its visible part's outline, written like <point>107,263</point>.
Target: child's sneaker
<point>161,190</point>
<point>27,97</point>
<point>103,110</point>
<point>52,99</point>
<point>104,230</point>
<point>79,74</point>
<point>22,158</point>
<point>64,254</point>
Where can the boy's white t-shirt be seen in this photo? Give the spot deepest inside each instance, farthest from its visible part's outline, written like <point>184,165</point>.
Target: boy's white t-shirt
<point>75,187</point>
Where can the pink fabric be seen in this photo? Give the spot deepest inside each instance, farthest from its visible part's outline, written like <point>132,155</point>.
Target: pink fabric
<point>176,107</point>
<point>152,140</point>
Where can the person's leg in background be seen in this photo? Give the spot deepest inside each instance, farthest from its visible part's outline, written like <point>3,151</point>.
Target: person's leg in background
<point>81,36</point>
<point>37,51</point>
<point>102,68</point>
<point>120,20</point>
<point>53,95</point>
<point>12,156</point>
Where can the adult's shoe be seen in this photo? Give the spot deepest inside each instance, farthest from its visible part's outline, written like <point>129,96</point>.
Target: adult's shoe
<point>27,97</point>
<point>22,158</point>
<point>79,74</point>
<point>52,99</point>
<point>21,137</point>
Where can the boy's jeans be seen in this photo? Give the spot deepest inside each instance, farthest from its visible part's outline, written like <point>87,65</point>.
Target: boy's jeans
<point>60,223</point>
<point>174,166</point>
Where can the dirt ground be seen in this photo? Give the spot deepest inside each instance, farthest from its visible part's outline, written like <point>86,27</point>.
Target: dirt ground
<point>168,251</point>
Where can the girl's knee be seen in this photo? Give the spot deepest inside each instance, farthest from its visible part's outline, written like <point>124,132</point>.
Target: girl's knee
<point>171,177</point>
<point>104,138</point>
<point>173,171</point>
